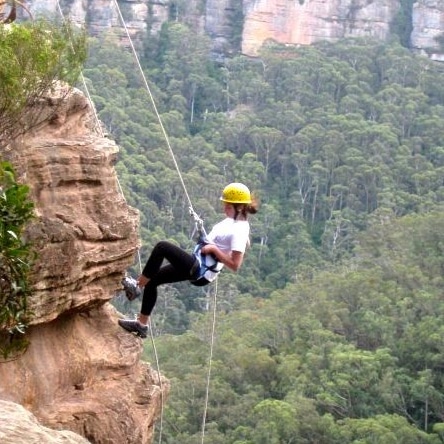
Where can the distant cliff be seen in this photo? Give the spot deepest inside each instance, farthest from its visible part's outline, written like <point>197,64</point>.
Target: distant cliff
<point>81,373</point>
<point>244,25</point>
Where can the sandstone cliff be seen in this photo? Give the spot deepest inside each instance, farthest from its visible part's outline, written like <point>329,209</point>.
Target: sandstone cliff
<point>81,372</point>
<point>20,426</point>
<point>298,22</point>
<point>309,21</point>
<point>428,28</point>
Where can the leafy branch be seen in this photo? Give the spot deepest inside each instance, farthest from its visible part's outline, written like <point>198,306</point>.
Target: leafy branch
<point>8,10</point>
<point>15,260</point>
<point>35,56</point>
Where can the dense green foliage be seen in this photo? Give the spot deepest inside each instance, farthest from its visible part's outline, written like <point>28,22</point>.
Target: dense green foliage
<point>352,355</point>
<point>331,332</point>
<point>402,24</point>
<point>34,56</point>
<point>15,260</point>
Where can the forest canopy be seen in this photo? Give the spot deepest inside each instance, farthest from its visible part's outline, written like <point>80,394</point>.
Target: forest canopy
<point>332,331</point>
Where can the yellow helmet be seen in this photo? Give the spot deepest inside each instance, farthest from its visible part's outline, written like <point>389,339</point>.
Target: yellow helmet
<point>236,193</point>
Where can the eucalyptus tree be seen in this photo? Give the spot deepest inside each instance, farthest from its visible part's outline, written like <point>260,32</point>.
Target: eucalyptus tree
<point>31,66</point>
<point>184,67</point>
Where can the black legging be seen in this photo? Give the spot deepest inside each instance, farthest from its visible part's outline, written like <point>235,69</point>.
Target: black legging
<point>181,267</point>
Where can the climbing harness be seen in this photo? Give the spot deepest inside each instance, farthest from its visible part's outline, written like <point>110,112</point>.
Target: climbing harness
<point>208,267</point>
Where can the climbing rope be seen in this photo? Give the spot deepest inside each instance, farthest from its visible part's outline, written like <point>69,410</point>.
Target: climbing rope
<point>155,108</point>
<point>210,361</point>
<point>100,129</point>
<point>198,223</point>
<point>91,103</point>
<point>197,220</point>
<point>98,126</point>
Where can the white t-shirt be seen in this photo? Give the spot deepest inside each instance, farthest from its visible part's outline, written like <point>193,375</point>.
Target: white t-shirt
<point>230,235</point>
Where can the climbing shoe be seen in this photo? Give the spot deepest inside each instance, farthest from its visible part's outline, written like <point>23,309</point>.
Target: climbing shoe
<point>134,326</point>
<point>132,290</point>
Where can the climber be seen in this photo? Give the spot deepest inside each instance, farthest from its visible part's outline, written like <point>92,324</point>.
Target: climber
<point>225,245</point>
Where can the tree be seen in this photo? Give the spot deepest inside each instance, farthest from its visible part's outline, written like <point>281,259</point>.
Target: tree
<point>15,261</point>
<point>32,63</point>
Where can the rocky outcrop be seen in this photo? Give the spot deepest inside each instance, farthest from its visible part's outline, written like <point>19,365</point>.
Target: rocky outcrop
<point>101,16</point>
<point>81,372</point>
<point>309,21</point>
<point>428,28</point>
<point>219,26</point>
<point>18,426</point>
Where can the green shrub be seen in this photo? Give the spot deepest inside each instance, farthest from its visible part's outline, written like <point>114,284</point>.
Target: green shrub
<point>34,56</point>
<point>15,260</point>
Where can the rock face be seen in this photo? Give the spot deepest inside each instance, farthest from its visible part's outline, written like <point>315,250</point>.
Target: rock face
<point>103,15</point>
<point>309,21</point>
<point>298,22</point>
<point>81,371</point>
<point>218,24</point>
<point>428,28</point>
<point>18,426</point>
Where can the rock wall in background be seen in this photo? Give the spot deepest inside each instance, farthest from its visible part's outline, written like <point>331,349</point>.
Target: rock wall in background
<point>298,22</point>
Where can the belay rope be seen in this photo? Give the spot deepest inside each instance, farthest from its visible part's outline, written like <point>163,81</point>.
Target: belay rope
<point>197,221</point>
<point>198,227</point>
<point>99,128</point>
